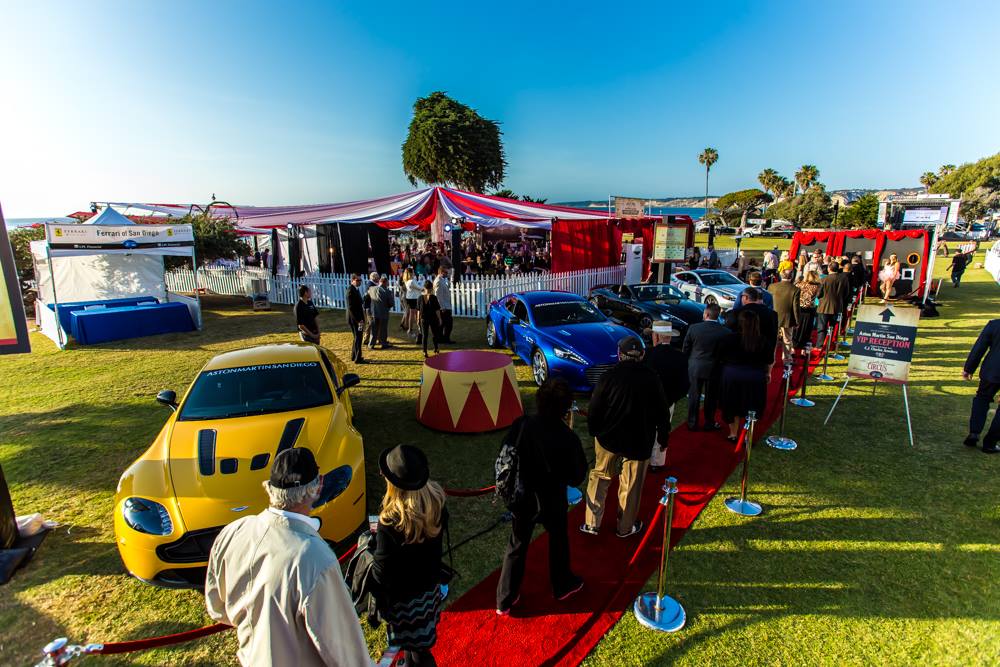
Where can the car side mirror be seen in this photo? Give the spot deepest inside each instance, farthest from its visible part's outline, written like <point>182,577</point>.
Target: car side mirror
<point>168,397</point>
<point>349,380</point>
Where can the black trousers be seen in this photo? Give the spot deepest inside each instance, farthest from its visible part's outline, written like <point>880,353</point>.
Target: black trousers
<point>447,324</point>
<point>434,327</point>
<point>356,329</point>
<point>708,386</point>
<point>807,324</point>
<point>825,322</point>
<point>980,408</point>
<point>553,517</point>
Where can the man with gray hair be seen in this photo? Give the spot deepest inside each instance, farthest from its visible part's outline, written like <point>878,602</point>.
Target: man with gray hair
<point>274,579</point>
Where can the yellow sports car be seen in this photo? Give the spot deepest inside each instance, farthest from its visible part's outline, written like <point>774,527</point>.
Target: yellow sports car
<point>207,464</point>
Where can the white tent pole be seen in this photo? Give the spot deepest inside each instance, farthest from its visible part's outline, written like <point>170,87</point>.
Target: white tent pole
<point>55,298</point>
<point>194,262</point>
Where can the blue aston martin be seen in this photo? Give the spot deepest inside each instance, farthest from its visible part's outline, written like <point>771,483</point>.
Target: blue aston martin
<point>558,333</point>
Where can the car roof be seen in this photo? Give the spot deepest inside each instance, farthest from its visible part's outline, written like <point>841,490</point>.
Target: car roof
<point>265,354</point>
<point>702,272</point>
<point>535,298</point>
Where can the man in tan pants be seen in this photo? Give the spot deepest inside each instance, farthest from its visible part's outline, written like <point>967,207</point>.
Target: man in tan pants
<point>627,410</point>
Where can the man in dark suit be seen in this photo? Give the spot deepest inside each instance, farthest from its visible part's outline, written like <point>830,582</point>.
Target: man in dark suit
<point>753,298</point>
<point>834,295</point>
<point>786,306</point>
<point>701,345</point>
<point>355,317</point>
<point>988,345</point>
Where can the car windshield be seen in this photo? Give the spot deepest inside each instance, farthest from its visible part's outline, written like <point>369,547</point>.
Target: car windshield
<point>566,312</point>
<point>718,278</point>
<point>255,390</point>
<point>657,293</point>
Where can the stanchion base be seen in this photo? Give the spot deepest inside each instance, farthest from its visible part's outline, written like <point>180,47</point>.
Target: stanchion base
<point>850,330</point>
<point>845,344</point>
<point>781,442</point>
<point>743,507</point>
<point>803,402</point>
<point>825,377</point>
<point>837,357</point>
<point>670,617</point>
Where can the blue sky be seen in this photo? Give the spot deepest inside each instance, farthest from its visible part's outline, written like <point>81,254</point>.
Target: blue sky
<point>262,104</point>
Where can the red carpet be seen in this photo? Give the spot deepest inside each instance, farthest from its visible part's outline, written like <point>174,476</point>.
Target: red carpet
<point>541,631</point>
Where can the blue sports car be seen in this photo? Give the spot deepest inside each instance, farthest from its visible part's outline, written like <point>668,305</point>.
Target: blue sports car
<point>558,333</point>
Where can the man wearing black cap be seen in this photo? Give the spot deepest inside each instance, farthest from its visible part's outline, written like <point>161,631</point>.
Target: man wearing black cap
<point>274,579</point>
<point>628,409</point>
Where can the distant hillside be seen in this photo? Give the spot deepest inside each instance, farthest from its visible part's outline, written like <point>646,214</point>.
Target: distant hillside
<point>665,202</point>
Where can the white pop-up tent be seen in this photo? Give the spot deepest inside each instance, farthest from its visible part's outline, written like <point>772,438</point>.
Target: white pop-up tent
<point>109,263</point>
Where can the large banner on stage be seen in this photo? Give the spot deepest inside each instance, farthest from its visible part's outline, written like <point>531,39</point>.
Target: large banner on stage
<point>884,336</point>
<point>13,324</point>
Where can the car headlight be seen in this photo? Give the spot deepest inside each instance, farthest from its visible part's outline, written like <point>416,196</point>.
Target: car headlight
<point>146,516</point>
<point>334,483</point>
<point>568,354</point>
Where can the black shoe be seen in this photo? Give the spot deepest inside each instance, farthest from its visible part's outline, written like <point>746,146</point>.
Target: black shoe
<point>574,588</point>
<point>636,529</point>
<point>971,440</point>
<point>991,449</point>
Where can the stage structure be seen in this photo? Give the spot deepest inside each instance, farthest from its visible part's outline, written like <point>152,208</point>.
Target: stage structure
<point>932,213</point>
<point>104,280</point>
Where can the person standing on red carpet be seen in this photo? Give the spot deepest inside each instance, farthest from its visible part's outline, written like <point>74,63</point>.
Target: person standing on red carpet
<point>550,459</point>
<point>628,409</point>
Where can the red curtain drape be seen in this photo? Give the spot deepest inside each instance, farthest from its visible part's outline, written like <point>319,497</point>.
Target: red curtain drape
<point>836,242</point>
<point>808,238</point>
<point>584,244</point>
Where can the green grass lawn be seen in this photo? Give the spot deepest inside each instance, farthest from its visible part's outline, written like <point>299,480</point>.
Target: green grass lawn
<point>869,552</point>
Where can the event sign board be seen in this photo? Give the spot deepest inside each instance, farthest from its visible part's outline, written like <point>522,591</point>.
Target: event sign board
<point>884,336</point>
<point>125,237</point>
<point>669,242</point>
<point>627,207</point>
<point>13,323</point>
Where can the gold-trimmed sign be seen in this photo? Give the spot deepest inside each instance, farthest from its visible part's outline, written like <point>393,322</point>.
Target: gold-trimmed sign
<point>884,336</point>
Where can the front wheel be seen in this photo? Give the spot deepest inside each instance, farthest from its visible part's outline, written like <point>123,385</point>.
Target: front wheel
<point>539,367</point>
<point>491,334</point>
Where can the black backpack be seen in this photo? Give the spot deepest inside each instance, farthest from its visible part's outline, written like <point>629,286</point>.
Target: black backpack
<point>359,579</point>
<point>509,485</point>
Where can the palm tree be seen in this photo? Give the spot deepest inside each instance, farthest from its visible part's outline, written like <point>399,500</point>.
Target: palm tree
<point>945,170</point>
<point>806,176</point>
<point>928,179</point>
<point>708,157</point>
<point>768,180</point>
<point>784,188</point>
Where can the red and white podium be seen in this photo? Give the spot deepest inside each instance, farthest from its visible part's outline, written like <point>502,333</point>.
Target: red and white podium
<point>468,391</point>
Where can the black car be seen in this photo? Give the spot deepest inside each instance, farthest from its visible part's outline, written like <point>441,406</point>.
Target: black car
<point>638,306</point>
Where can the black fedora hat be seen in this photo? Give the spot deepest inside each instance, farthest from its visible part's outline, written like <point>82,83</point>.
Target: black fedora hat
<point>405,466</point>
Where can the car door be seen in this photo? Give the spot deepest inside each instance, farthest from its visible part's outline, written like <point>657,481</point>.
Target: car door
<point>624,309</point>
<point>684,282</point>
<point>521,340</point>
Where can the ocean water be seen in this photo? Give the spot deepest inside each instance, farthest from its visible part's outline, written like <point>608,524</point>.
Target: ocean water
<point>695,213</point>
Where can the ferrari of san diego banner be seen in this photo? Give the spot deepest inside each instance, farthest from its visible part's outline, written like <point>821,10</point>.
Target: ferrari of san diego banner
<point>883,342</point>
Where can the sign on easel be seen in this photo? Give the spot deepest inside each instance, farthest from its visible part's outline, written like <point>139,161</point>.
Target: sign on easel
<point>882,350</point>
<point>884,336</point>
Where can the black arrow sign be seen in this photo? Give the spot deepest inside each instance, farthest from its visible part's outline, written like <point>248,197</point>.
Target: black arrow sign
<point>887,315</point>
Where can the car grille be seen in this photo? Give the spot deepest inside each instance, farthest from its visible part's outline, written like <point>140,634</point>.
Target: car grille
<point>184,577</point>
<point>192,548</point>
<point>594,373</point>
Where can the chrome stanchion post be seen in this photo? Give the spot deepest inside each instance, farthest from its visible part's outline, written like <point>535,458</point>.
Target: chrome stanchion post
<point>824,376</point>
<point>837,356</point>
<point>780,441</point>
<point>656,610</point>
<point>741,505</point>
<point>802,401</point>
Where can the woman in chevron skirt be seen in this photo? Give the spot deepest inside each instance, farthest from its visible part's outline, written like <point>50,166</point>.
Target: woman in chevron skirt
<point>408,550</point>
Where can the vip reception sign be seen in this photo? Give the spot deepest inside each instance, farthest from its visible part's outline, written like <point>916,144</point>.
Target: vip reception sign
<point>884,336</point>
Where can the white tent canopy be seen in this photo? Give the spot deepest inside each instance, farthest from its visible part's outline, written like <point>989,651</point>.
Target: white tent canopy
<point>109,217</point>
<point>100,261</point>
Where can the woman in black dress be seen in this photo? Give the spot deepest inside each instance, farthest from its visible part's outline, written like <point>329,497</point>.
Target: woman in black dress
<point>430,315</point>
<point>408,549</point>
<point>747,358</point>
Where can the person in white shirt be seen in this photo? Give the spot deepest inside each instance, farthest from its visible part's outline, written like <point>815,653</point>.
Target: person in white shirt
<point>274,579</point>
<point>442,290</point>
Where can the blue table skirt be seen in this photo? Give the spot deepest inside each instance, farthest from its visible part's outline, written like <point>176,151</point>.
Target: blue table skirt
<point>65,310</point>
<point>98,326</point>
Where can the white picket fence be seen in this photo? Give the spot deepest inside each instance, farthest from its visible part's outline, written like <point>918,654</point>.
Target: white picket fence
<point>470,297</point>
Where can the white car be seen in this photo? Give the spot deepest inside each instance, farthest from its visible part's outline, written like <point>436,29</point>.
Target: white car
<point>710,286</point>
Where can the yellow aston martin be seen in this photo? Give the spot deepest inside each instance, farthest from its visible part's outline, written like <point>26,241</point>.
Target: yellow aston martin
<point>206,466</point>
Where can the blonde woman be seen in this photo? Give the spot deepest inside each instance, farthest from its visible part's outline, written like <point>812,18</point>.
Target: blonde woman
<point>808,290</point>
<point>889,275</point>
<point>785,263</point>
<point>408,549</point>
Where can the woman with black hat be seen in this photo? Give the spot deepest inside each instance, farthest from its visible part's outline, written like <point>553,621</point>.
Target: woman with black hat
<point>408,549</point>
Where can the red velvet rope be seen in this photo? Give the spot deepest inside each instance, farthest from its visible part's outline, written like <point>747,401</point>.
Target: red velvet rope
<point>470,493</point>
<point>166,640</point>
<point>647,536</point>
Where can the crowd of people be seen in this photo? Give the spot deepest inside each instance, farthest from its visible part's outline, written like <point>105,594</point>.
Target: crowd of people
<point>476,256</point>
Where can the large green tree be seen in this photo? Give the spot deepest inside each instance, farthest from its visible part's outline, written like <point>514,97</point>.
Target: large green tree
<point>214,238</point>
<point>862,214</point>
<point>742,202</point>
<point>928,179</point>
<point>708,157</point>
<point>20,242</point>
<point>806,176</point>
<point>977,183</point>
<point>769,180</point>
<point>449,143</point>
<point>813,208</point>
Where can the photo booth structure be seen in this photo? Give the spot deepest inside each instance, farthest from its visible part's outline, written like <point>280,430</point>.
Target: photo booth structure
<point>913,247</point>
<point>104,280</point>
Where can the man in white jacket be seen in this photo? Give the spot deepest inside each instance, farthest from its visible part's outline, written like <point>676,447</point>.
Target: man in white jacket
<point>274,579</point>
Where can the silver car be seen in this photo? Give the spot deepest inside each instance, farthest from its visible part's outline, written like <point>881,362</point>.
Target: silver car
<point>710,286</point>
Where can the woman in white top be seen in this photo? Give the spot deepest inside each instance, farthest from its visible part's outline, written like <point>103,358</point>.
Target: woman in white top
<point>414,288</point>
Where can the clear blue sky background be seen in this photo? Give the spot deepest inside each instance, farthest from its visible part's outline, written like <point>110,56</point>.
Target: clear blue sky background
<point>174,101</point>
